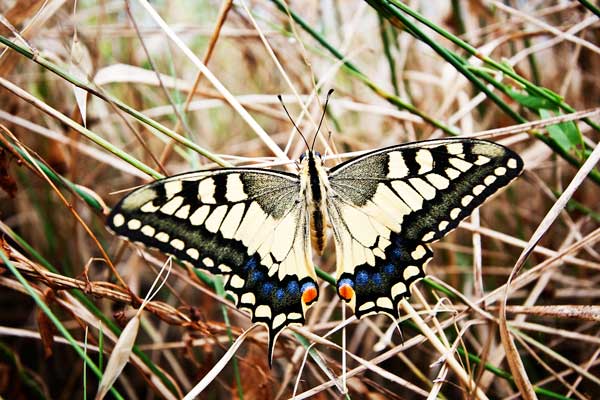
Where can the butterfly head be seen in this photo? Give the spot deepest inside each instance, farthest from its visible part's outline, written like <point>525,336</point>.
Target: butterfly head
<point>310,164</point>
<point>309,154</point>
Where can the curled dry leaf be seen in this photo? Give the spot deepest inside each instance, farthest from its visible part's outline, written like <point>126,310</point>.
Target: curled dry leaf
<point>81,68</point>
<point>47,331</point>
<point>119,356</point>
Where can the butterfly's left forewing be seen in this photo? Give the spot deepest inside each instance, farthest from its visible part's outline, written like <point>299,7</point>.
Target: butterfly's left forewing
<point>245,224</point>
<point>387,205</point>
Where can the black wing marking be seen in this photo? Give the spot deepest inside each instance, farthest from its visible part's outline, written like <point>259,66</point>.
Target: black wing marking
<point>245,224</point>
<point>388,204</point>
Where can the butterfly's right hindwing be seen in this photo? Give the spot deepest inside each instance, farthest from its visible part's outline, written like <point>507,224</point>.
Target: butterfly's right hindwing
<point>246,224</point>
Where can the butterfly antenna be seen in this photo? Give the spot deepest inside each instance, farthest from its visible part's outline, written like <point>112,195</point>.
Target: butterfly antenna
<point>290,117</point>
<point>322,117</point>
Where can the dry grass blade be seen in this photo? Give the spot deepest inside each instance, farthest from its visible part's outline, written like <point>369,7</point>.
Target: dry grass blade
<point>549,28</point>
<point>513,358</point>
<point>216,370</point>
<point>542,123</point>
<point>587,313</point>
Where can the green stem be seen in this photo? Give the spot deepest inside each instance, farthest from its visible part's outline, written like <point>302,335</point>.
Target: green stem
<point>58,179</point>
<point>591,6</point>
<point>451,58</point>
<point>383,30</point>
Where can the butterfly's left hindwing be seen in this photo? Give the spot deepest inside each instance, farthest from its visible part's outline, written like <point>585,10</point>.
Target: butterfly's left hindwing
<point>245,224</point>
<point>387,205</point>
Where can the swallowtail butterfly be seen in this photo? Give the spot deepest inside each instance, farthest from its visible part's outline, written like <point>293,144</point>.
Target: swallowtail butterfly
<point>255,226</point>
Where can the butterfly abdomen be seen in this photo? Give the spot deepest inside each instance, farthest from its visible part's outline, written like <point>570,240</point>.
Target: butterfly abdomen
<point>317,230</point>
<point>314,178</point>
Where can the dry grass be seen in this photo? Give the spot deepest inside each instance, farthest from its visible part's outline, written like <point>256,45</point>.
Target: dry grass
<point>201,91</point>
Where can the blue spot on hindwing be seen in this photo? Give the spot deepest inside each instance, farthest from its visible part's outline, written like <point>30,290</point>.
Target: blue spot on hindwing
<point>266,289</point>
<point>395,253</point>
<point>345,281</point>
<point>250,265</point>
<point>256,276</point>
<point>362,278</point>
<point>376,279</point>
<point>307,285</point>
<point>293,289</point>
<point>389,269</point>
<point>279,294</point>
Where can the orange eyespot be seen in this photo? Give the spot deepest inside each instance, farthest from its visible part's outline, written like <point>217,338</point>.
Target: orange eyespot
<point>309,295</point>
<point>346,292</point>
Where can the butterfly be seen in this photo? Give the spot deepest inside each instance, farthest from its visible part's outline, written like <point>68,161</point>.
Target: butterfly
<point>257,227</point>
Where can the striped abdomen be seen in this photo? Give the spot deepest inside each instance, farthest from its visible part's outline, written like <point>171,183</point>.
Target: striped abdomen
<point>315,187</point>
<point>317,230</point>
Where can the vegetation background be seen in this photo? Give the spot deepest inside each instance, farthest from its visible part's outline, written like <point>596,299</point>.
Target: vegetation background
<point>97,97</point>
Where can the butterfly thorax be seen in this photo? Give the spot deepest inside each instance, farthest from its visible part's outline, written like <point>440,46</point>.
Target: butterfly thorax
<point>315,184</point>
